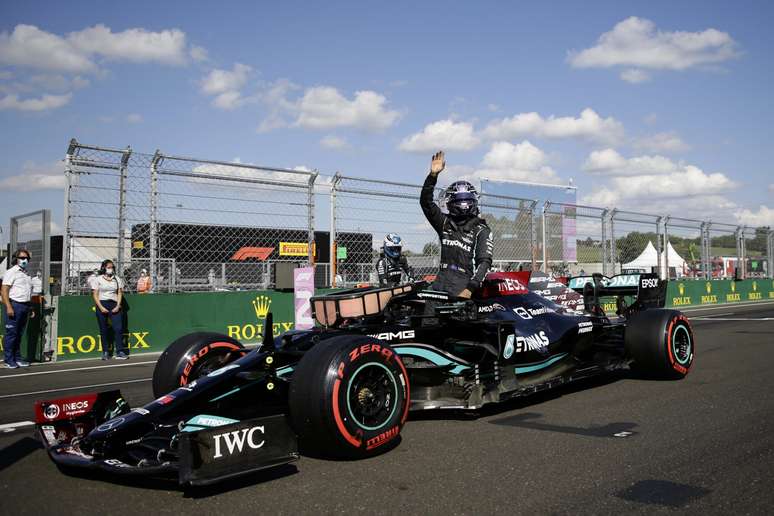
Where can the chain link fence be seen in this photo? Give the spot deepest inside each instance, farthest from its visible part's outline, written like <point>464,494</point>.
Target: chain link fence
<point>363,212</point>
<point>636,241</point>
<point>575,239</point>
<point>190,224</point>
<point>32,232</point>
<point>194,224</point>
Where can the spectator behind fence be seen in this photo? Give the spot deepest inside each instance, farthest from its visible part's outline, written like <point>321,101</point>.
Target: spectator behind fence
<point>108,292</point>
<point>143,282</point>
<point>16,293</point>
<point>37,284</point>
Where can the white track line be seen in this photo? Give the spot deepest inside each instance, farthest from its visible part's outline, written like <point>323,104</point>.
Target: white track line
<point>732,318</point>
<point>12,375</point>
<point>72,388</point>
<point>10,427</point>
<point>727,306</point>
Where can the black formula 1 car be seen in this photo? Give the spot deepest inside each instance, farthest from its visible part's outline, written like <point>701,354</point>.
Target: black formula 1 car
<point>345,388</point>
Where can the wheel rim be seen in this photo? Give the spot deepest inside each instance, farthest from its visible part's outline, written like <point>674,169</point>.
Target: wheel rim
<point>207,364</point>
<point>372,396</point>
<point>682,346</point>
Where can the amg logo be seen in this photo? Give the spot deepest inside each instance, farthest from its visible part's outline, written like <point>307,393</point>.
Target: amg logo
<point>534,342</point>
<point>456,243</point>
<point>235,441</point>
<point>388,336</point>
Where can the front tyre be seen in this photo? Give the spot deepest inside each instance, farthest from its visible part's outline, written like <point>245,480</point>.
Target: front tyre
<point>661,343</point>
<point>193,356</point>
<point>349,397</point>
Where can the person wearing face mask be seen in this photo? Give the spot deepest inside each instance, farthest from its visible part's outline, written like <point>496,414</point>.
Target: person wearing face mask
<point>16,294</point>
<point>143,282</point>
<point>108,292</point>
<point>466,240</point>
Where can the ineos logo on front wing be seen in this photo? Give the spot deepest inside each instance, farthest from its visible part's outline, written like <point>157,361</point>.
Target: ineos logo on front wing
<point>235,441</point>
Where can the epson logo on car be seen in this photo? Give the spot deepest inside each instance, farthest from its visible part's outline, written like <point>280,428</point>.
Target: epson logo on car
<point>388,336</point>
<point>649,283</point>
<point>235,441</point>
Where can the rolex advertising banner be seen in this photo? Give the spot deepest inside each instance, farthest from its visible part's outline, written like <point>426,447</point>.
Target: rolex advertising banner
<point>713,292</point>
<point>154,321</point>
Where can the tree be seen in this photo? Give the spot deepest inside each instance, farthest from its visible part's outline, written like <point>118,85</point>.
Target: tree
<point>431,249</point>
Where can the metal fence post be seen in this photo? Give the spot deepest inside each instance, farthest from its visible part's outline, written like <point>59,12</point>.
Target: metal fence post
<point>659,249</point>
<point>533,234</point>
<point>741,252</point>
<point>546,205</point>
<point>613,250</point>
<point>770,253</point>
<point>605,244</point>
<point>122,209</point>
<point>153,229</point>
<point>310,207</point>
<point>66,216</point>
<point>332,233</point>
<point>46,251</point>
<point>665,245</point>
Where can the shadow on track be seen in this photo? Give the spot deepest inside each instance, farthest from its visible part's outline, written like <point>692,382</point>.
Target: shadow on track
<point>15,452</point>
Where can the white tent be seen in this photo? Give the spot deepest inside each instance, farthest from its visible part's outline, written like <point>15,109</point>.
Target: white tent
<point>648,258</point>
<point>675,260</point>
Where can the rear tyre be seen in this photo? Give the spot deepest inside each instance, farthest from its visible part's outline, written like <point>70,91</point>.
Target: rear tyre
<point>193,356</point>
<point>349,397</point>
<point>661,343</point>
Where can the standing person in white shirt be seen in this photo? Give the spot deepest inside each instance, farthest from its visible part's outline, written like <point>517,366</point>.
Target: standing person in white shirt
<point>16,293</point>
<point>108,291</point>
<point>37,284</point>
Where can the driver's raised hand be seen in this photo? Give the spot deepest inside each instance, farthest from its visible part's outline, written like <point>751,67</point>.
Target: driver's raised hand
<point>437,163</point>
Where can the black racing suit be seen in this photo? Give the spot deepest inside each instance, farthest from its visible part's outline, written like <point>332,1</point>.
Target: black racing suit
<point>466,248</point>
<point>390,270</point>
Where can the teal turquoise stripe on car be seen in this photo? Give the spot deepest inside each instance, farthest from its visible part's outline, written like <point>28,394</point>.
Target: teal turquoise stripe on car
<point>436,358</point>
<point>537,366</point>
<point>203,421</point>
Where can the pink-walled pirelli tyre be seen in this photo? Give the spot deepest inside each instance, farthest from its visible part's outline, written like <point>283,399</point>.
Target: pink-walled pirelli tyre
<point>349,397</point>
<point>661,343</point>
<point>193,356</point>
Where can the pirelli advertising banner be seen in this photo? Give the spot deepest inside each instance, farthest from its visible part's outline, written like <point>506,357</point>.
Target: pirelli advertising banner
<point>714,292</point>
<point>153,321</point>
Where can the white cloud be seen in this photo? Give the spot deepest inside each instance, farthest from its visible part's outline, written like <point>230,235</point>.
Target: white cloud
<point>645,180</point>
<point>610,162</point>
<point>637,44</point>
<point>519,162</point>
<point>661,142</point>
<point>635,76</point>
<point>324,107</point>
<point>650,118</point>
<point>36,176</point>
<point>134,118</point>
<point>771,187</point>
<point>763,217</point>
<point>198,53</point>
<point>588,126</point>
<point>79,52</point>
<point>226,85</point>
<point>443,134</point>
<point>334,142</point>
<point>34,104</point>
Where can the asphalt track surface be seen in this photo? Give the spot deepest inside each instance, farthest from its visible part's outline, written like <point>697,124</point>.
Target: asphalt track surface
<point>614,445</point>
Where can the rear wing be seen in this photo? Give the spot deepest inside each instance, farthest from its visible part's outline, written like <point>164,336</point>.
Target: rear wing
<point>648,290</point>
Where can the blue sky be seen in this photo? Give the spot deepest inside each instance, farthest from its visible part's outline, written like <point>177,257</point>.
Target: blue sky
<point>644,105</point>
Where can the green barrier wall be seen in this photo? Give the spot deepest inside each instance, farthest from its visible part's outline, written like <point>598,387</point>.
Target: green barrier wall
<point>153,321</point>
<point>681,294</point>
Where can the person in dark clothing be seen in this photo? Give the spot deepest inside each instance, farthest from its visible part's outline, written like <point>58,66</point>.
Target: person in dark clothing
<point>392,264</point>
<point>466,240</point>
